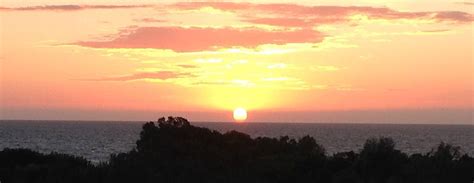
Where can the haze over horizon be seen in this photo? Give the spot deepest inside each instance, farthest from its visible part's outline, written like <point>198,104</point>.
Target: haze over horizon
<point>333,62</point>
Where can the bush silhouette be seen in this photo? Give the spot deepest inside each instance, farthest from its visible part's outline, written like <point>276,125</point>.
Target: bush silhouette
<point>23,165</point>
<point>172,150</point>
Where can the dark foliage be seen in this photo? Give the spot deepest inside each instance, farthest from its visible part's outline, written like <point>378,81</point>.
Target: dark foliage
<point>23,165</point>
<point>172,150</point>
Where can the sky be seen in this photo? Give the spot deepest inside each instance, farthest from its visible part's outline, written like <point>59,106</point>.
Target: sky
<point>391,61</point>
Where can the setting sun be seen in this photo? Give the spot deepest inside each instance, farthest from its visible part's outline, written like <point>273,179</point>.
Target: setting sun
<point>240,114</point>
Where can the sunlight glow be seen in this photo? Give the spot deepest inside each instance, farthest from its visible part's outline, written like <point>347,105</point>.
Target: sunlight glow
<point>240,114</point>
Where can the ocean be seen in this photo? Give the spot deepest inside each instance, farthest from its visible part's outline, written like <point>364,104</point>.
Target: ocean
<point>96,140</point>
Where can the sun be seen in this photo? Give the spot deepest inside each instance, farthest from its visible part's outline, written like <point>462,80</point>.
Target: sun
<point>240,114</point>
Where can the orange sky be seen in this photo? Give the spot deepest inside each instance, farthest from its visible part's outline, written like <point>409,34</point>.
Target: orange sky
<point>350,61</point>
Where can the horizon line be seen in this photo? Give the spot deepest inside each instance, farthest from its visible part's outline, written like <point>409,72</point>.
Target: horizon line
<point>242,123</point>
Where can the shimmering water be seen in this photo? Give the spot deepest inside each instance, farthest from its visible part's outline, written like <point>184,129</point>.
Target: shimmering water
<point>97,140</point>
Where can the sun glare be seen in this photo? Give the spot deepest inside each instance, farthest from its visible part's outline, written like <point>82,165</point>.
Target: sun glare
<point>240,114</point>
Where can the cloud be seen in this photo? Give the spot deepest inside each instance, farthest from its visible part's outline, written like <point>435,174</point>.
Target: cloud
<point>196,39</point>
<point>454,15</point>
<point>221,83</point>
<point>188,66</point>
<point>289,15</point>
<point>326,68</point>
<point>436,31</point>
<point>466,3</point>
<point>268,82</point>
<point>284,22</point>
<point>150,20</point>
<point>277,66</point>
<point>160,75</point>
<point>293,15</point>
<point>71,7</point>
<point>296,21</point>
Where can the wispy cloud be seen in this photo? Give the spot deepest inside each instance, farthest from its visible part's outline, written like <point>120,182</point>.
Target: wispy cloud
<point>325,68</point>
<point>455,16</point>
<point>150,20</point>
<point>292,15</point>
<point>287,15</point>
<point>196,39</point>
<point>160,75</point>
<point>466,3</point>
<point>189,66</point>
<point>71,7</point>
<point>436,30</point>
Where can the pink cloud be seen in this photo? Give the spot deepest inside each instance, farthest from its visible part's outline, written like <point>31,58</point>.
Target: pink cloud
<point>293,15</point>
<point>288,13</point>
<point>202,39</point>
<point>162,75</point>
<point>454,15</point>
<point>71,7</point>
<point>150,20</point>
